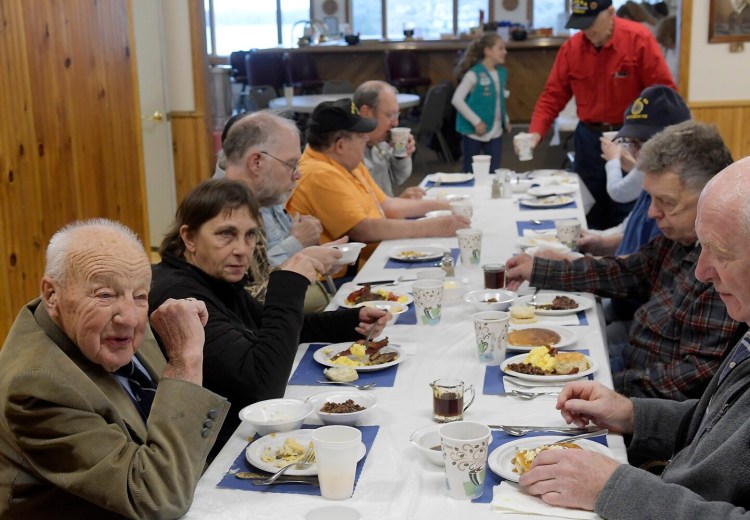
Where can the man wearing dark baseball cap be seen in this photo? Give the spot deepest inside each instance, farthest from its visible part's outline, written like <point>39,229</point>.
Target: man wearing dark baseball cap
<point>604,66</point>
<point>337,188</point>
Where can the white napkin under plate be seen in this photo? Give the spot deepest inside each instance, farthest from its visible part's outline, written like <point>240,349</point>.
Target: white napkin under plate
<point>507,498</point>
<point>565,319</point>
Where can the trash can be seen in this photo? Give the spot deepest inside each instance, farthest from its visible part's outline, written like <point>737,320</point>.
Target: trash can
<point>221,95</point>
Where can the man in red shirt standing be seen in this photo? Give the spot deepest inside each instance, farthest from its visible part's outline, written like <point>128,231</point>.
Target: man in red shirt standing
<point>605,66</point>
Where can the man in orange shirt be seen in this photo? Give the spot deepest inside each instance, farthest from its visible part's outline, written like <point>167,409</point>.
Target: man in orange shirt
<point>336,187</point>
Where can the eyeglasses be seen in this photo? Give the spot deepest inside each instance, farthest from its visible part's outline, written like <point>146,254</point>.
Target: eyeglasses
<point>391,116</point>
<point>293,166</point>
<point>633,144</point>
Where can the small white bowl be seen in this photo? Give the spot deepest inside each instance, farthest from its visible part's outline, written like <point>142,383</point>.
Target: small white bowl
<point>363,399</point>
<point>438,213</point>
<point>276,415</point>
<point>503,299</point>
<point>394,308</point>
<point>453,288</point>
<point>426,440</point>
<point>521,185</point>
<point>349,252</point>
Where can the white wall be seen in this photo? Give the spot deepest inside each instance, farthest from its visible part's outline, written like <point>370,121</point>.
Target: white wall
<point>715,73</point>
<point>178,57</point>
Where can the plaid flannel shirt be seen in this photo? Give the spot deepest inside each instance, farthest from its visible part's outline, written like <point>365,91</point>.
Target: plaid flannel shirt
<point>678,337</point>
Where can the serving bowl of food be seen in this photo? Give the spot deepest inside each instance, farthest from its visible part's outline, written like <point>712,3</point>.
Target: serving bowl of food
<point>491,299</point>
<point>276,415</point>
<point>427,441</point>
<point>345,407</point>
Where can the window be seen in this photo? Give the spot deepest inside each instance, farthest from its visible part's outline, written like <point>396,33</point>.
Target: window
<point>233,25</point>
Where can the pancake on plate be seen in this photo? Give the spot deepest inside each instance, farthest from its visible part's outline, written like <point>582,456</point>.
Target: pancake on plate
<point>533,337</point>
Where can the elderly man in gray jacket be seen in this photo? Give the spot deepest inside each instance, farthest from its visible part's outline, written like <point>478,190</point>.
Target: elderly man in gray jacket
<point>707,440</point>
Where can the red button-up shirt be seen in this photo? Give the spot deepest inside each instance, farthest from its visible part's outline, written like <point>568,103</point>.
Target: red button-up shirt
<point>604,81</point>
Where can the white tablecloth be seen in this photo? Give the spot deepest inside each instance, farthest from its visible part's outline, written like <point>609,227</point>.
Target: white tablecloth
<point>396,481</point>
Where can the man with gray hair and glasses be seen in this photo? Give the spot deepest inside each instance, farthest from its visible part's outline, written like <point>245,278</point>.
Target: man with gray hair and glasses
<point>377,100</point>
<point>681,333</point>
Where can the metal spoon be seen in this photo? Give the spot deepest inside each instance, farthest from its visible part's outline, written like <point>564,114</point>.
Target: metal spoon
<point>532,302</point>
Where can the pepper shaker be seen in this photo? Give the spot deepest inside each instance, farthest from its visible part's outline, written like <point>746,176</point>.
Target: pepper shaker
<point>497,188</point>
<point>446,264</point>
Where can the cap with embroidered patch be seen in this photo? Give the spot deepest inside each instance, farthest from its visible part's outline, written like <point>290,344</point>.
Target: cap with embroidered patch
<point>655,109</point>
<point>584,12</point>
<point>342,114</point>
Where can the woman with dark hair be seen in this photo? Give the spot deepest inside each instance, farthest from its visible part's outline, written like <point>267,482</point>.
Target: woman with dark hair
<point>250,347</point>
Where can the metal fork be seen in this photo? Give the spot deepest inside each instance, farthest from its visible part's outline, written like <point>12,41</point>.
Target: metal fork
<point>307,460</point>
<point>358,387</point>
<point>435,184</point>
<point>528,396</point>
<point>520,431</point>
<point>532,302</point>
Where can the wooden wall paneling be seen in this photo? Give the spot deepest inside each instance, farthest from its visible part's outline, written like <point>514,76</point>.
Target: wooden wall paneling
<point>191,157</point>
<point>20,201</point>
<point>70,135</point>
<point>684,40</point>
<point>732,118</point>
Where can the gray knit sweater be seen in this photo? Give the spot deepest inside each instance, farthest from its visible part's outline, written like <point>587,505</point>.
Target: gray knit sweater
<point>710,477</point>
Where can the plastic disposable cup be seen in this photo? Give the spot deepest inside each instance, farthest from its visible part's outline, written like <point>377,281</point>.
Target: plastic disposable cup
<point>470,246</point>
<point>431,273</point>
<point>428,301</point>
<point>481,171</point>
<point>523,142</point>
<point>289,94</point>
<point>465,448</point>
<point>400,138</point>
<point>491,330</point>
<point>337,450</point>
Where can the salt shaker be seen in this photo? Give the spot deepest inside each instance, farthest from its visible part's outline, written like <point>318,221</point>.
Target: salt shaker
<point>446,264</point>
<point>507,189</point>
<point>497,188</point>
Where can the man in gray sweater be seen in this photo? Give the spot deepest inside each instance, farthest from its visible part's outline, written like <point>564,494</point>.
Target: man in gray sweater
<point>707,440</point>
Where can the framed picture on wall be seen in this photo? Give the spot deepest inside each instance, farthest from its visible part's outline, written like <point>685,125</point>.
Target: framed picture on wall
<point>729,21</point>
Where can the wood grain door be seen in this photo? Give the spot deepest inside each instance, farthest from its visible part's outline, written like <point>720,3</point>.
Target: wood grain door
<point>70,145</point>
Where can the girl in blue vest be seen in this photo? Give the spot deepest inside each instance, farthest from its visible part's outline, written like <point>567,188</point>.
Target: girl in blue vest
<point>480,99</point>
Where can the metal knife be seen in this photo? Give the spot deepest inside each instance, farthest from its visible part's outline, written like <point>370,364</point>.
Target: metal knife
<point>312,480</point>
<point>566,429</point>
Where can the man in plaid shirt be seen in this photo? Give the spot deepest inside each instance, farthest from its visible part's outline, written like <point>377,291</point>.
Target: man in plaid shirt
<point>680,335</point>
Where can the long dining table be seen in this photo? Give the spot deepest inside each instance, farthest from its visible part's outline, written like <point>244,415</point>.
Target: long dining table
<point>396,480</point>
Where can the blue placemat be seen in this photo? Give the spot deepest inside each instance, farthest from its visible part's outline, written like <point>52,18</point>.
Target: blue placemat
<point>409,317</point>
<point>582,319</point>
<point>430,184</point>
<point>493,376</point>
<point>309,371</point>
<point>523,225</point>
<point>396,264</point>
<point>241,464</point>
<point>498,439</point>
<point>523,207</point>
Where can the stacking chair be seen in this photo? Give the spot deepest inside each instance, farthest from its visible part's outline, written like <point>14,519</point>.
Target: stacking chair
<point>402,71</point>
<point>337,86</point>
<point>265,68</point>
<point>239,74</point>
<point>261,95</point>
<point>301,72</point>
<point>431,123</point>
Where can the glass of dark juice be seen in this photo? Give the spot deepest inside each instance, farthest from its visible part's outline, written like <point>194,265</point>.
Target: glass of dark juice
<point>448,400</point>
<point>494,276</point>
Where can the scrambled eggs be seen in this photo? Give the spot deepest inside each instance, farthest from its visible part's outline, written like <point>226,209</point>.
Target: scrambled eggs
<point>358,351</point>
<point>288,453</point>
<point>539,357</point>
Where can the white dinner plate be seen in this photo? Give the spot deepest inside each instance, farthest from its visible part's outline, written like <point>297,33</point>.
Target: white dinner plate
<point>395,308</point>
<point>254,452</point>
<point>451,178</point>
<point>593,367</point>
<point>500,459</point>
<point>552,189</point>
<point>416,253</point>
<point>404,298</point>
<point>543,241</point>
<point>548,202</point>
<point>324,354</point>
<point>583,304</point>
<point>567,336</point>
